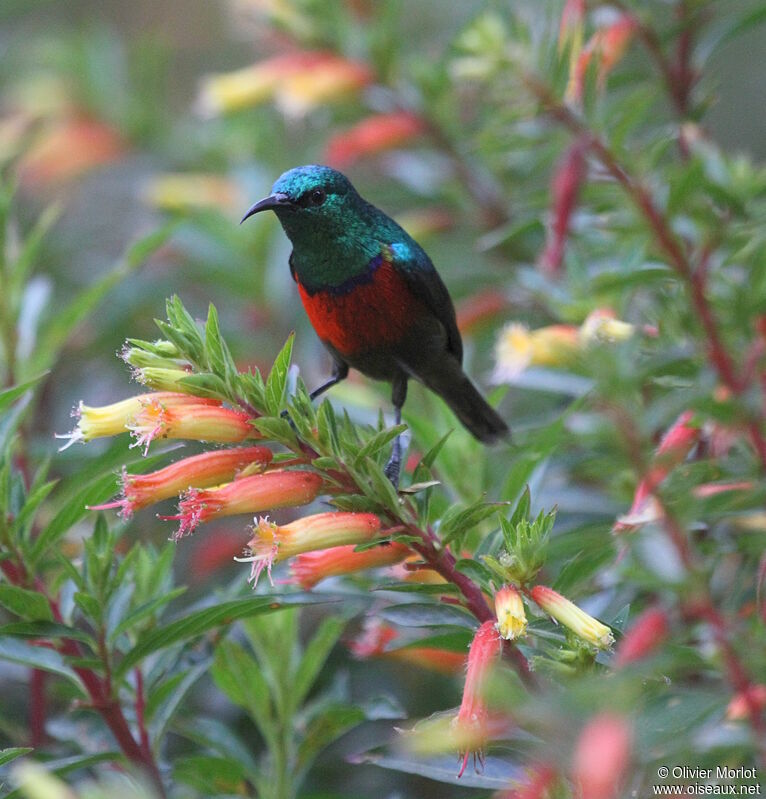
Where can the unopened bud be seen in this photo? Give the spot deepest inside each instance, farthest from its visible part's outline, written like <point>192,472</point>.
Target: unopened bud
<point>572,617</point>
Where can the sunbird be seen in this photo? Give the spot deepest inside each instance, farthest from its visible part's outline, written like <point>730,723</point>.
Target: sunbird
<point>373,297</point>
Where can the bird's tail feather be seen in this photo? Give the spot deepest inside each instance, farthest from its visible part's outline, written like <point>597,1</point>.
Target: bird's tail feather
<point>473,411</point>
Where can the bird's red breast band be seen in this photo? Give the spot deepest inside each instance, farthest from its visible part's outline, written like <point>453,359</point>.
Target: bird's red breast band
<point>373,313</point>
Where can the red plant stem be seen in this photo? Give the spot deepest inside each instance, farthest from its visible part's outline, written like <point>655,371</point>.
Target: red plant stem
<point>737,675</point>
<point>441,560</point>
<point>105,705</point>
<point>679,77</point>
<point>668,242</point>
<point>140,708</point>
<point>37,707</point>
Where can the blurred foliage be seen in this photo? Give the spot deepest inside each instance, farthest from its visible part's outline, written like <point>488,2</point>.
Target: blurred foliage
<point>605,252</point>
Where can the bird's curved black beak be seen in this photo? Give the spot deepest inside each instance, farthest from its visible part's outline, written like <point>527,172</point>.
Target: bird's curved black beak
<point>267,203</point>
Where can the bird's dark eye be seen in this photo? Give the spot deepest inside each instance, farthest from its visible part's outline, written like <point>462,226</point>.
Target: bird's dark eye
<point>317,197</point>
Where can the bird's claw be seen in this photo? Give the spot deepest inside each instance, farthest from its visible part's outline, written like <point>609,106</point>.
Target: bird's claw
<point>392,469</point>
<point>286,415</point>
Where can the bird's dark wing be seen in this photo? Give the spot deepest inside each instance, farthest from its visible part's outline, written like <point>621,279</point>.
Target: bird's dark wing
<point>425,283</point>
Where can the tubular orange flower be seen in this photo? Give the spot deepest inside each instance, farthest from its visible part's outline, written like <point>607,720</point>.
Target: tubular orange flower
<point>413,570</point>
<point>608,45</point>
<point>674,447</point>
<point>572,617</point>
<point>443,661</point>
<point>601,757</point>
<point>310,568</point>
<point>330,78</point>
<point>250,86</point>
<point>198,421</point>
<point>192,191</point>
<point>422,223</point>
<point>254,494</point>
<point>298,81</point>
<point>535,785</point>
<point>603,325</point>
<point>374,134</point>
<point>199,471</point>
<point>647,633</point>
<point>69,148</point>
<point>272,543</point>
<point>471,719</point>
<point>111,420</point>
<point>373,640</point>
<point>744,703</point>
<point>377,636</point>
<point>480,309</point>
<point>567,181</point>
<point>509,609</point>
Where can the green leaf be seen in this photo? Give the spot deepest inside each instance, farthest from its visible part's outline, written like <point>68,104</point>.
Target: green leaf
<point>276,429</point>
<point>221,738</point>
<point>381,488</point>
<point>459,521</point>
<point>30,250</point>
<point>276,382</point>
<point>210,775</point>
<point>495,773</point>
<point>200,621</point>
<point>417,614</point>
<point>32,503</point>
<point>45,629</point>
<point>94,492</point>
<point>325,728</point>
<point>144,610</point>
<point>64,765</point>
<point>159,711</point>
<point>314,657</point>
<point>379,441</point>
<point>37,657</point>
<point>239,676</point>
<point>6,755</point>
<point>10,395</point>
<point>27,604</point>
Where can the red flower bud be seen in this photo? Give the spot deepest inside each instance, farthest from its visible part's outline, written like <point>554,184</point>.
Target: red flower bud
<point>601,757</point>
<point>472,716</point>
<point>645,635</point>
<point>372,135</point>
<point>200,471</point>
<point>254,494</point>
<point>272,543</point>
<point>565,188</point>
<point>310,568</point>
<point>673,449</point>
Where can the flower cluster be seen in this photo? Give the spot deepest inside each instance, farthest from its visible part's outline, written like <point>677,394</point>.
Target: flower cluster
<point>517,347</point>
<point>297,82</point>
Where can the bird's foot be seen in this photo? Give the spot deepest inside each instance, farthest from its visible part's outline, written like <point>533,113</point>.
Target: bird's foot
<point>286,415</point>
<point>392,469</point>
<point>394,465</point>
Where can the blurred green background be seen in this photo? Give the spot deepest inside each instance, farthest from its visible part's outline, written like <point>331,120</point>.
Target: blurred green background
<point>134,70</point>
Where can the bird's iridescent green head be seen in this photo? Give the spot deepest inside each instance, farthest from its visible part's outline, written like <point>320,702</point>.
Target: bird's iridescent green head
<point>310,200</point>
<point>335,234</point>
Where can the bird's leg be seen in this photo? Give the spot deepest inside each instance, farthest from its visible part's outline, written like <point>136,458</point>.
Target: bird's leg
<point>339,372</point>
<point>394,465</point>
